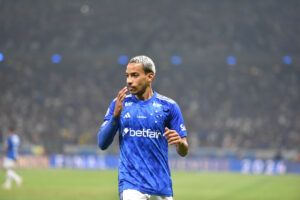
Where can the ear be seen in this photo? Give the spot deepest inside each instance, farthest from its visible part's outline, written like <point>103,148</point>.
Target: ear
<point>150,76</point>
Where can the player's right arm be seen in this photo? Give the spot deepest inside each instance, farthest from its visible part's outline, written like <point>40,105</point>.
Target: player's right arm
<point>111,121</point>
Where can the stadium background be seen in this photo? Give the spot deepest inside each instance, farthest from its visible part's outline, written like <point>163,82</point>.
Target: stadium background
<point>232,66</point>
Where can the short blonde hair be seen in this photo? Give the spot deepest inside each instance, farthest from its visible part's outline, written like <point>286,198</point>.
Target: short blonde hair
<point>147,63</point>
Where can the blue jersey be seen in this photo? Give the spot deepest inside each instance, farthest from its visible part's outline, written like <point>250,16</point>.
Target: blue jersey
<point>13,143</point>
<point>143,163</point>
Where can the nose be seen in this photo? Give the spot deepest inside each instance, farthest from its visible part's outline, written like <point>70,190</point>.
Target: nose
<point>129,80</point>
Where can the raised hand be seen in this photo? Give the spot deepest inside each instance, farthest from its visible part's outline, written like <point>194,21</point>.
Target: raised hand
<point>119,102</point>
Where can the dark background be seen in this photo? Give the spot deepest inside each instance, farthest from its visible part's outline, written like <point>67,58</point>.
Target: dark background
<point>253,104</point>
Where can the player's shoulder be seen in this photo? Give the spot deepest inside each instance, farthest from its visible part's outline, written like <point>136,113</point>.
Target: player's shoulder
<point>128,97</point>
<point>165,100</point>
<point>127,101</point>
<point>15,136</point>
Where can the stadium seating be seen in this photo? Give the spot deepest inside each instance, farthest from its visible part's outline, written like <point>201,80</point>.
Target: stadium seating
<point>252,105</point>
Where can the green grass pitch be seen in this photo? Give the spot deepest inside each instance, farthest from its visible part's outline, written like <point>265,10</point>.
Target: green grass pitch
<point>50,184</point>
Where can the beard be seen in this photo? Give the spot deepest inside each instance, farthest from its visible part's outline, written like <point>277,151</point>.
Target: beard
<point>137,91</point>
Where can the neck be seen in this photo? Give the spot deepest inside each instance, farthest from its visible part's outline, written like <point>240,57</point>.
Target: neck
<point>148,93</point>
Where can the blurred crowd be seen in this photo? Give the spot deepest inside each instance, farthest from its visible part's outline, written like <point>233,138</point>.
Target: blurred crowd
<point>253,104</point>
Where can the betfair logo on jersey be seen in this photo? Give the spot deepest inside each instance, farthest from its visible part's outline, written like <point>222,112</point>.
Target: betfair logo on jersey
<point>141,133</point>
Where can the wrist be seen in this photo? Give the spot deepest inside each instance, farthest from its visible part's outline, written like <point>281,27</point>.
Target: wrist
<point>116,115</point>
<point>115,120</point>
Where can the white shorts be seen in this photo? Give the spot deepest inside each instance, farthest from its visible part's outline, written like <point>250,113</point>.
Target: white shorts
<point>8,163</point>
<point>137,195</point>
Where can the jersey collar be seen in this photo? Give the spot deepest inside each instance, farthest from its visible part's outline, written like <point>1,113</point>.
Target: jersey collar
<point>144,102</point>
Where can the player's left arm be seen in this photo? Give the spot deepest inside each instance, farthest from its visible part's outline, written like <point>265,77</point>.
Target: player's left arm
<point>176,132</point>
<point>182,146</point>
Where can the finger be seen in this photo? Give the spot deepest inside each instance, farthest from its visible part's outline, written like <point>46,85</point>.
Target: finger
<point>122,98</point>
<point>122,92</point>
<point>124,89</point>
<point>174,142</point>
<point>167,133</point>
<point>172,135</point>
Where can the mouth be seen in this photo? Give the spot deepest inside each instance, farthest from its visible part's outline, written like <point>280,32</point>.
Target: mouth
<point>130,88</point>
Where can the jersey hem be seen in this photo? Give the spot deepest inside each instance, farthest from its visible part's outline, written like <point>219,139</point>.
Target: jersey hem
<point>146,192</point>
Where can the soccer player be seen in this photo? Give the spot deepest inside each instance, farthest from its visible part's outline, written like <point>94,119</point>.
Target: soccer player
<point>147,122</point>
<point>11,154</point>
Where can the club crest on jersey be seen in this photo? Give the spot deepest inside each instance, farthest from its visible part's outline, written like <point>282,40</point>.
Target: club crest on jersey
<point>157,105</point>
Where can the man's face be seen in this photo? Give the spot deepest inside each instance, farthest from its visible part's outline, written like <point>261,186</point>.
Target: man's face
<point>137,80</point>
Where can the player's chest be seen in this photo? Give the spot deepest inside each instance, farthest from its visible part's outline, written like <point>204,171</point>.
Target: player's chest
<point>146,115</point>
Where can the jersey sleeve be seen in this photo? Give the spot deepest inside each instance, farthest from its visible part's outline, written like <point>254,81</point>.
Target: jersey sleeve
<point>109,113</point>
<point>176,120</point>
<point>108,128</point>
